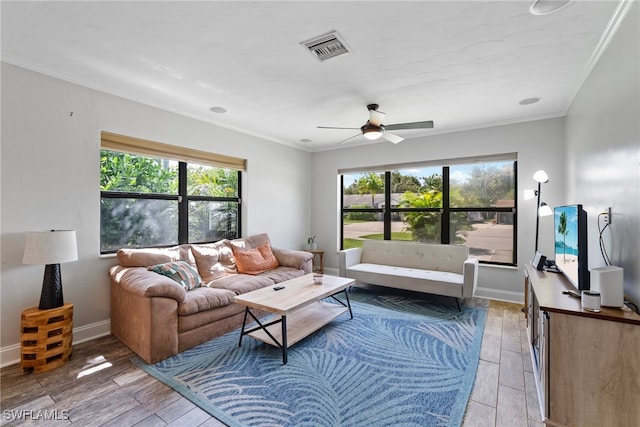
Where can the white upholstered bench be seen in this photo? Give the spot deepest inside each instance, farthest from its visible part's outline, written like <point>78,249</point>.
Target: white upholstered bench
<point>435,269</point>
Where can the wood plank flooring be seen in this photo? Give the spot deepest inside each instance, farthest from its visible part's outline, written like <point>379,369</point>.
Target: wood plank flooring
<point>100,386</point>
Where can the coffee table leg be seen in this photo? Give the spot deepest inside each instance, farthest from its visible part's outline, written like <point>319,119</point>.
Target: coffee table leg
<point>284,340</point>
<point>346,294</point>
<point>244,322</point>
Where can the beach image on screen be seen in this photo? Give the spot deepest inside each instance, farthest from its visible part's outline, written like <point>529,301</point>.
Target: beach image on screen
<point>566,241</point>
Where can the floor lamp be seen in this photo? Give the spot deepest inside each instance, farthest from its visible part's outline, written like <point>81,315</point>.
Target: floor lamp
<point>542,209</point>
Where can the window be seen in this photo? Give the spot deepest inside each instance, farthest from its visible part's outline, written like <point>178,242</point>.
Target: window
<point>469,203</point>
<point>182,196</point>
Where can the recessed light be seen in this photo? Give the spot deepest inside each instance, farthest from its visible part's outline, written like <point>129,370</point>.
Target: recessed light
<point>305,140</point>
<point>545,7</point>
<point>529,101</point>
<point>218,110</point>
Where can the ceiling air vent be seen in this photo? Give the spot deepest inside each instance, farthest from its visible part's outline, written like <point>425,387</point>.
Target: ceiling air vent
<point>327,46</point>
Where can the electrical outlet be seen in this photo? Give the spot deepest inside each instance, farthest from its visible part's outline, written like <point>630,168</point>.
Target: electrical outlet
<point>606,216</point>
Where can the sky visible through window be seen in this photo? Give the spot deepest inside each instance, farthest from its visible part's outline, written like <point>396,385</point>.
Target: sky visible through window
<point>462,173</point>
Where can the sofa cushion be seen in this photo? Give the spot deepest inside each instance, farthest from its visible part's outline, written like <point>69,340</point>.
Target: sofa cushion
<point>413,279</point>
<point>392,271</point>
<point>180,271</point>
<point>217,321</point>
<point>282,273</point>
<point>250,241</point>
<point>214,260</point>
<point>241,283</point>
<point>423,256</point>
<point>204,298</point>
<point>255,260</point>
<point>147,257</point>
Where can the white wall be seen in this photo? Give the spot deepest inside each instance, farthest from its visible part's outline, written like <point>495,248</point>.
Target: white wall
<point>538,145</point>
<point>50,179</point>
<point>603,142</point>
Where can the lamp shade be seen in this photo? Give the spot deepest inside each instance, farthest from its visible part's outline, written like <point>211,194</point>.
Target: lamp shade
<point>50,247</point>
<point>544,210</point>
<point>541,176</point>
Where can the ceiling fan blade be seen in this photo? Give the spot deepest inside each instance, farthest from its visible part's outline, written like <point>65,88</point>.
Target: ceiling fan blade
<point>334,127</point>
<point>392,137</point>
<point>349,139</point>
<point>375,117</point>
<point>415,125</point>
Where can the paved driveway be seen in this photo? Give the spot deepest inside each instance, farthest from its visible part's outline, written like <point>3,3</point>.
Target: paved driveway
<point>488,241</point>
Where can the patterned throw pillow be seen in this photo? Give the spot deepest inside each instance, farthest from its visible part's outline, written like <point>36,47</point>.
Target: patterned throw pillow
<point>181,272</point>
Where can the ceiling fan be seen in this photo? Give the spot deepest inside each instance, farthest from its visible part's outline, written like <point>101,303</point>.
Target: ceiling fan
<point>374,128</point>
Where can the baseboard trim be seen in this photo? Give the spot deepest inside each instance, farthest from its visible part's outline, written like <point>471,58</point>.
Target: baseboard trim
<point>10,355</point>
<point>500,295</point>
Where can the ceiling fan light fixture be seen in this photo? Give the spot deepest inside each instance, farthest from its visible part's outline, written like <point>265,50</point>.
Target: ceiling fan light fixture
<point>372,132</point>
<point>374,129</point>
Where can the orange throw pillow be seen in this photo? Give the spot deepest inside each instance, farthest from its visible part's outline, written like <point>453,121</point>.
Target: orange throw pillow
<point>256,260</point>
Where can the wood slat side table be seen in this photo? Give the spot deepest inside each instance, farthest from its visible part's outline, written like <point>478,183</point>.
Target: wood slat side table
<point>318,260</point>
<point>45,338</point>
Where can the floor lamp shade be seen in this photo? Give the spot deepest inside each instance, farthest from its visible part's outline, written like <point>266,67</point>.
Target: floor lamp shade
<point>51,248</point>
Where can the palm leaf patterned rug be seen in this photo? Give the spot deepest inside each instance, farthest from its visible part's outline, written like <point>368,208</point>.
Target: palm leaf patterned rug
<point>405,359</point>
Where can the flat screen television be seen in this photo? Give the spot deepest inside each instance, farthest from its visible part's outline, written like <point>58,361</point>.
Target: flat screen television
<point>570,231</point>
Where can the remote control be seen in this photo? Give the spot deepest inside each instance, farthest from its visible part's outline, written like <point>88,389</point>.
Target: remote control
<point>572,293</point>
<point>277,288</point>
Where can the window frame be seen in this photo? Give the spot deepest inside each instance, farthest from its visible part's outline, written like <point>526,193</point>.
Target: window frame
<point>445,210</point>
<point>144,148</point>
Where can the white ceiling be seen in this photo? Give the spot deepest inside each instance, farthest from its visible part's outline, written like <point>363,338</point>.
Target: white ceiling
<point>462,64</point>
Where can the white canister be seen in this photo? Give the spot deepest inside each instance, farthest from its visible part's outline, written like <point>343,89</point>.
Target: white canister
<point>591,301</point>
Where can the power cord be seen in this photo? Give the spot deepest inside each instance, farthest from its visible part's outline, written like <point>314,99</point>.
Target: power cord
<point>603,249</point>
<point>631,304</point>
<point>627,300</point>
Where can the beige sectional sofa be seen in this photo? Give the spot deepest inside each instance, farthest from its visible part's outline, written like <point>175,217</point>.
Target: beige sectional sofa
<point>436,269</point>
<point>157,317</point>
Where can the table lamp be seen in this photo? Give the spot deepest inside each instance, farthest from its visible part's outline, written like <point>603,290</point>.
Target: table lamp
<point>50,247</point>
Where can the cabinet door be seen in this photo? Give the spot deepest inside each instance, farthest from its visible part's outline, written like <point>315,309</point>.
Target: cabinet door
<point>543,372</point>
<point>594,369</point>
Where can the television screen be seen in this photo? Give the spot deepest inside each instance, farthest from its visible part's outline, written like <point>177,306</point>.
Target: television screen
<point>570,231</point>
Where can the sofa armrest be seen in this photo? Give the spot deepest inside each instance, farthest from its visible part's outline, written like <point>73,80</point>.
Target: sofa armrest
<point>470,274</point>
<point>140,281</point>
<point>295,259</point>
<point>148,326</point>
<point>347,258</point>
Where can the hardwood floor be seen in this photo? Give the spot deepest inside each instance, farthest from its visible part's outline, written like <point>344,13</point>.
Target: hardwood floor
<point>100,386</point>
<point>504,392</point>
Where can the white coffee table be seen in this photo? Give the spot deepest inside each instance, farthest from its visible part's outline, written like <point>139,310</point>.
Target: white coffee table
<point>299,309</point>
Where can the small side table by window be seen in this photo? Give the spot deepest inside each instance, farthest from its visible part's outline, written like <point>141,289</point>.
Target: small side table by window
<point>45,338</point>
<point>317,261</point>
